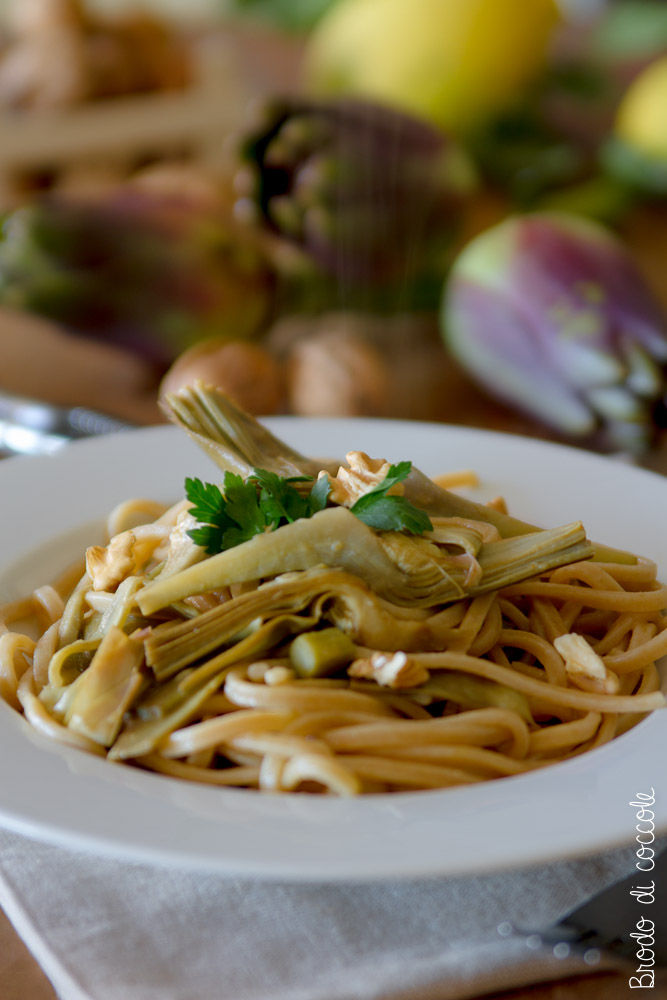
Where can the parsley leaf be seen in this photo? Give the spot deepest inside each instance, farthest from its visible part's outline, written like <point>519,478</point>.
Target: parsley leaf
<point>391,513</point>
<point>279,500</point>
<point>206,499</point>
<point>209,537</point>
<point>208,507</point>
<point>227,519</point>
<point>319,494</point>
<point>242,507</point>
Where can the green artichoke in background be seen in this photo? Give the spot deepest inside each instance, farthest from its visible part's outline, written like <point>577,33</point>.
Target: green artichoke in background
<point>153,272</point>
<point>547,142</point>
<point>548,312</point>
<point>356,193</point>
<point>545,152</point>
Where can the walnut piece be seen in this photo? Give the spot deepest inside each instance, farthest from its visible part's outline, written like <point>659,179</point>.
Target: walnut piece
<point>394,670</point>
<point>584,667</point>
<point>361,475</point>
<point>108,564</point>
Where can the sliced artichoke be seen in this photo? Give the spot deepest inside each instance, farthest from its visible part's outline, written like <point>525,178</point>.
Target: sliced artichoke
<point>335,537</point>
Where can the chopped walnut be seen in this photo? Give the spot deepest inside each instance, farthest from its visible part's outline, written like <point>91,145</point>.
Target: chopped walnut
<point>394,670</point>
<point>125,554</point>
<point>584,667</point>
<point>108,564</point>
<point>361,475</point>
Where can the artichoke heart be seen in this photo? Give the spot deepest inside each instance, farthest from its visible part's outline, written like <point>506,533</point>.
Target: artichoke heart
<point>103,693</point>
<point>332,537</point>
<point>291,603</point>
<point>410,572</point>
<point>258,641</point>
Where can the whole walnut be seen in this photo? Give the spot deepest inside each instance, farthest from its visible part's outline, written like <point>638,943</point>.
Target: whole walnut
<point>337,372</point>
<point>360,364</point>
<point>245,371</point>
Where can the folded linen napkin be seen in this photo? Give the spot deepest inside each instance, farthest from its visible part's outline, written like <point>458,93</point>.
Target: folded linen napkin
<point>104,929</point>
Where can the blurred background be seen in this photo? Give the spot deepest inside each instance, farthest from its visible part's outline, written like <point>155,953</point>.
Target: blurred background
<point>449,210</point>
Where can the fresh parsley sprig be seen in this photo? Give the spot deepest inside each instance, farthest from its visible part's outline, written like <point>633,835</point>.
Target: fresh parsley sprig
<point>265,501</point>
<point>391,513</point>
<point>243,509</point>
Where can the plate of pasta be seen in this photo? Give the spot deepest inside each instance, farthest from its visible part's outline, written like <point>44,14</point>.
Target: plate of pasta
<point>369,664</point>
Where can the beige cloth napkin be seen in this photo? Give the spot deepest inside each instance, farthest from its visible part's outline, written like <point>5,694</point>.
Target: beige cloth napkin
<point>103,929</point>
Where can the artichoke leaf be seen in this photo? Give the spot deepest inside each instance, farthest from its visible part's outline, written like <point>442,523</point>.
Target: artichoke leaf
<point>260,641</point>
<point>234,440</point>
<point>471,692</point>
<point>329,594</point>
<point>107,688</point>
<point>510,560</point>
<point>173,645</point>
<point>72,617</point>
<point>161,711</point>
<point>450,532</point>
<point>62,670</point>
<point>119,610</point>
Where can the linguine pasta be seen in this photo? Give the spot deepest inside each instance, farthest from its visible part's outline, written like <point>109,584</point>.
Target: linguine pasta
<point>124,657</point>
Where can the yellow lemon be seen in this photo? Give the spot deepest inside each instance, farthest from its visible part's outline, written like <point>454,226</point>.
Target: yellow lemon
<point>453,62</point>
<point>641,120</point>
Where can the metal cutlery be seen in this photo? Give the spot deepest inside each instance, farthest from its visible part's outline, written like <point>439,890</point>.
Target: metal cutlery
<point>627,921</point>
<point>33,427</point>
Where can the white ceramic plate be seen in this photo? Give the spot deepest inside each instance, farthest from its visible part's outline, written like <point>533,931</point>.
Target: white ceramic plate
<point>69,798</point>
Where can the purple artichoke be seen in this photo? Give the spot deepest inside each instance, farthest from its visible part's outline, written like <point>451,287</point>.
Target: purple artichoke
<point>152,271</point>
<point>549,313</point>
<point>364,194</point>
